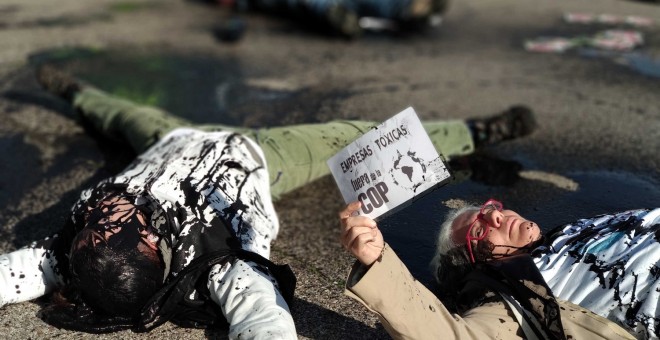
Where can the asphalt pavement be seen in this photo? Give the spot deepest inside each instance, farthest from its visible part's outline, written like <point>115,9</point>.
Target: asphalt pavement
<point>595,151</point>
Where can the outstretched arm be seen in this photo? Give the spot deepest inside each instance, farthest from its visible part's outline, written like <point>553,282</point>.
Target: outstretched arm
<point>251,301</point>
<point>28,273</point>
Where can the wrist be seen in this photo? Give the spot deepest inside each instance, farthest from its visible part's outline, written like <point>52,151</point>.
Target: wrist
<point>370,262</point>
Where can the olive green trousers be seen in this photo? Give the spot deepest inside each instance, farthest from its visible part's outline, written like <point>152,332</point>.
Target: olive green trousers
<point>295,154</point>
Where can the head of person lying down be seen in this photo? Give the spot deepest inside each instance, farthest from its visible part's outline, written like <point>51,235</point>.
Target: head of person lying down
<point>478,234</point>
<point>115,267</point>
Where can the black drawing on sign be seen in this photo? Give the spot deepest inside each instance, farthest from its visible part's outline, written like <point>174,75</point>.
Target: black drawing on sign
<point>408,171</point>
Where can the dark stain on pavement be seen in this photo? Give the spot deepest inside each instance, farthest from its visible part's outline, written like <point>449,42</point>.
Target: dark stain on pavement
<point>199,87</point>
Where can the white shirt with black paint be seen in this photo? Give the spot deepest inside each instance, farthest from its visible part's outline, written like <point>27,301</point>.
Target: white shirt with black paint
<point>200,182</point>
<point>609,264</point>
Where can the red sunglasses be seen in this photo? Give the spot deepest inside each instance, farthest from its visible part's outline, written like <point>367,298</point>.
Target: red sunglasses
<point>480,234</point>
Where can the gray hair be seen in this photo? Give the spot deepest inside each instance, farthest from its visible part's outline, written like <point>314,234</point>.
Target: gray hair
<point>451,262</point>
<point>448,253</point>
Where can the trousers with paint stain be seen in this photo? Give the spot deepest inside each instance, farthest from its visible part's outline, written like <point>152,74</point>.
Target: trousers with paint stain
<point>295,154</point>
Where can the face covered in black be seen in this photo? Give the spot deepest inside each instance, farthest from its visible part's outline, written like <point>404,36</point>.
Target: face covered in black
<point>119,224</point>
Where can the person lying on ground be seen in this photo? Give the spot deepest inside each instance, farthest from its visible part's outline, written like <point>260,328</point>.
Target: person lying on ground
<point>184,232</point>
<point>498,276</point>
<point>347,17</point>
<point>607,264</point>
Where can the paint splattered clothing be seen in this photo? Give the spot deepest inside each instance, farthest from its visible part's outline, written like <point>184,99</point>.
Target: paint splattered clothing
<point>203,192</point>
<point>610,265</point>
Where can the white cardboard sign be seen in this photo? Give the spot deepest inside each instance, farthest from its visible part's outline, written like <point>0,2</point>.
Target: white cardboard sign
<point>389,167</point>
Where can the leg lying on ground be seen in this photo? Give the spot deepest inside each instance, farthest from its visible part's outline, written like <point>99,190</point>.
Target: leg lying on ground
<point>295,155</point>
<point>139,125</point>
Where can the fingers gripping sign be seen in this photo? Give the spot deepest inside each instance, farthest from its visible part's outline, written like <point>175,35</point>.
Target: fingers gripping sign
<point>360,235</point>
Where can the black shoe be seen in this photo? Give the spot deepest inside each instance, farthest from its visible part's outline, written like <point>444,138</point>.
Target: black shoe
<point>230,30</point>
<point>426,8</point>
<point>344,21</point>
<point>516,122</point>
<point>57,82</point>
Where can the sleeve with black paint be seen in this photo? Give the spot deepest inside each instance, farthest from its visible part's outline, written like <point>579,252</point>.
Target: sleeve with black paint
<point>28,273</point>
<point>36,269</point>
<point>251,301</point>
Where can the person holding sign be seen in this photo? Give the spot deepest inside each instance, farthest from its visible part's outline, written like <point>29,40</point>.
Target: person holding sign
<point>184,232</point>
<point>498,275</point>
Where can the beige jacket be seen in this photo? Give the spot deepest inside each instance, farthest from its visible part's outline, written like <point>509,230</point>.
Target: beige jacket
<point>408,310</point>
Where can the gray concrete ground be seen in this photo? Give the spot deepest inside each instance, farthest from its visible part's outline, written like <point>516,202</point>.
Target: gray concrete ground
<point>596,149</point>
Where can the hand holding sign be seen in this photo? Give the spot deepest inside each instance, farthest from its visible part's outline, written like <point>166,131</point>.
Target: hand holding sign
<point>360,235</point>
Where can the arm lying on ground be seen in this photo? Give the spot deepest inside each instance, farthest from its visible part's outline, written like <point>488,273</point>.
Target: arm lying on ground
<point>251,301</point>
<point>28,273</point>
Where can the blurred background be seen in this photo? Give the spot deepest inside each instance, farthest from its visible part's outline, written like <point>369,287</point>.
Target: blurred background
<point>590,70</point>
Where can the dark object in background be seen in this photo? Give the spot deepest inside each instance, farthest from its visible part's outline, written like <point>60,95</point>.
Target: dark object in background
<point>493,171</point>
<point>487,170</point>
<point>230,30</point>
<point>344,18</point>
<point>516,122</point>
